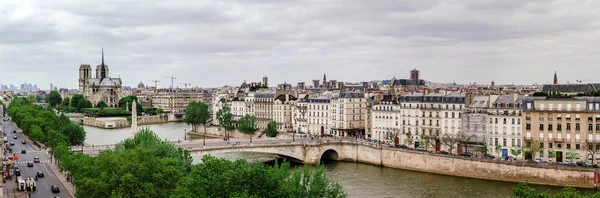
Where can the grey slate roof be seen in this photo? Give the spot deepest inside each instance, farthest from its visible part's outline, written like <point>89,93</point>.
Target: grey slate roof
<point>571,88</point>
<point>479,102</point>
<point>104,82</point>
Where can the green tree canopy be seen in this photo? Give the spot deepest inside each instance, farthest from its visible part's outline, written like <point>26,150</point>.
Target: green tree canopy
<point>75,100</point>
<point>225,119</point>
<point>216,177</point>
<point>271,130</point>
<point>247,125</point>
<point>82,104</point>
<point>160,111</point>
<point>53,99</point>
<point>101,104</point>
<point>74,133</point>
<point>196,113</point>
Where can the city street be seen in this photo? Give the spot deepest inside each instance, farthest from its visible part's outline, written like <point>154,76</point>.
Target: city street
<point>43,184</point>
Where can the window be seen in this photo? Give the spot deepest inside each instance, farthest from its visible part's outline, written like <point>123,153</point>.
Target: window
<point>491,120</point>
<point>577,118</point>
<point>518,120</point>
<point>503,141</point>
<point>577,127</point>
<point>549,116</point>
<point>597,127</point>
<point>496,120</point>
<point>590,127</point>
<point>558,117</point>
<point>452,114</point>
<point>512,142</point>
<point>496,141</point>
<point>447,115</point>
<point>528,126</point>
<point>549,145</point>
<point>504,122</point>
<point>550,127</point>
<point>568,146</point>
<point>568,126</point>
<point>559,126</point>
<point>541,127</point>
<point>518,142</point>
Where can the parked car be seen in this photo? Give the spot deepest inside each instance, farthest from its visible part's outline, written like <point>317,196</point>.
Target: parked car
<point>420,149</point>
<point>55,189</point>
<point>444,152</point>
<point>510,158</point>
<point>539,161</point>
<point>582,164</point>
<point>17,172</point>
<point>36,160</point>
<point>402,146</point>
<point>40,174</point>
<point>466,154</point>
<point>488,156</point>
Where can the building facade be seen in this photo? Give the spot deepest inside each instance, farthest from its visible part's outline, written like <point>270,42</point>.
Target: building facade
<point>348,110</point>
<point>319,115</point>
<point>102,87</point>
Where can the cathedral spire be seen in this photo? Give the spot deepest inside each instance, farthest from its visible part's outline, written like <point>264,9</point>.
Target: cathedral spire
<point>555,78</point>
<point>103,68</point>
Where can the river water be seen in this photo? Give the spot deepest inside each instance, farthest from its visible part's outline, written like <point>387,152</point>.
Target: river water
<point>358,180</point>
<point>171,131</point>
<point>362,180</point>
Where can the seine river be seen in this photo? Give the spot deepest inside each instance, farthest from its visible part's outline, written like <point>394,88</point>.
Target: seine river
<point>358,180</point>
<point>362,180</point>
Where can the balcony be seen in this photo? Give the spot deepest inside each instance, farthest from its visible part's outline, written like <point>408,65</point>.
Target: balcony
<point>577,140</point>
<point>558,140</point>
<point>591,141</point>
<point>550,139</point>
<point>527,138</point>
<point>541,138</point>
<point>568,140</point>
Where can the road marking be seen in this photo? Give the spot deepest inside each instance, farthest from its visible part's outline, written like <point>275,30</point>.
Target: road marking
<point>45,168</point>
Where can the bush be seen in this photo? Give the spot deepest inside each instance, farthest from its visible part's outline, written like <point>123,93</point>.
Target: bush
<point>113,113</point>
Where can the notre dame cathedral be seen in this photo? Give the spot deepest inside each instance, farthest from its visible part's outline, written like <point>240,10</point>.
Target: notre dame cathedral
<point>102,87</point>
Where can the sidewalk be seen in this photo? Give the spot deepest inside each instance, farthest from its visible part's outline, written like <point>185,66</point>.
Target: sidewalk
<point>62,178</point>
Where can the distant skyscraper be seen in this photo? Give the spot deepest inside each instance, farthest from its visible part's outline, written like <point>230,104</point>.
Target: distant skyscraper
<point>555,78</point>
<point>414,75</point>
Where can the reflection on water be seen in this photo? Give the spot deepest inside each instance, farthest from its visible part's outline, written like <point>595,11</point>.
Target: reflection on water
<point>362,180</point>
<point>171,131</point>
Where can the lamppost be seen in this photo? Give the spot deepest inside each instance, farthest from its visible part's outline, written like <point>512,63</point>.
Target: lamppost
<point>204,138</point>
<point>379,138</point>
<point>184,134</point>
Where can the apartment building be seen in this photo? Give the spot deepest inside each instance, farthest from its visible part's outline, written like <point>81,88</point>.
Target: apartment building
<point>263,108</point>
<point>176,100</point>
<point>562,125</point>
<point>238,108</point>
<point>319,115</point>
<point>300,115</point>
<point>475,121</point>
<point>348,109</point>
<point>451,112</point>
<point>410,112</point>
<point>282,112</point>
<point>505,128</point>
<point>385,118</point>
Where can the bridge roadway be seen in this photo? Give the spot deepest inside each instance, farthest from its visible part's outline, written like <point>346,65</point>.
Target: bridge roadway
<point>293,148</point>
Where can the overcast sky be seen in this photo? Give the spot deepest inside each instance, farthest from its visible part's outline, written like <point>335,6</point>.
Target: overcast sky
<point>214,43</point>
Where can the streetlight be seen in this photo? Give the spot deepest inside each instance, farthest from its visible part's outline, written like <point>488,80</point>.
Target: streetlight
<point>184,134</point>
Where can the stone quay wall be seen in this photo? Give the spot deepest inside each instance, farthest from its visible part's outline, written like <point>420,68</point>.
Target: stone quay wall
<point>155,119</point>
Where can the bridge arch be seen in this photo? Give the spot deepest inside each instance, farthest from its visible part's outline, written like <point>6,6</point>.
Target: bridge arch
<point>329,154</point>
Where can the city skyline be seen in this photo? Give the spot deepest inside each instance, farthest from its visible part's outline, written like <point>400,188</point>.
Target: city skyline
<point>210,44</point>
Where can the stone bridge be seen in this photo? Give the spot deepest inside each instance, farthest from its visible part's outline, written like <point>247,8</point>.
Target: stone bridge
<point>307,152</point>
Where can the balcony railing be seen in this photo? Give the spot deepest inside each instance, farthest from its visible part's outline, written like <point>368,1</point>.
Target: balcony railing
<point>550,139</point>
<point>592,141</point>
<point>558,140</point>
<point>541,138</point>
<point>568,140</point>
<point>527,138</point>
<point>578,140</point>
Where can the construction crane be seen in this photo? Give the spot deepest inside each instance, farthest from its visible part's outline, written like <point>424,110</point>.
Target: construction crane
<point>172,78</point>
<point>172,93</point>
<point>185,84</point>
<point>155,83</point>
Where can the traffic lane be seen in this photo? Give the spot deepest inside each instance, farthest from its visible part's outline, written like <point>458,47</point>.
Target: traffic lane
<point>43,184</point>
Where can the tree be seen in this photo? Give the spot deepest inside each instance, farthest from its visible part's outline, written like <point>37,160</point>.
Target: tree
<point>159,111</point>
<point>66,101</point>
<point>523,190</point>
<point>409,139</point>
<point>82,104</point>
<point>572,155</point>
<point>497,149</point>
<point>450,141</point>
<point>75,100</point>
<point>74,133</point>
<point>592,149</point>
<point>127,103</point>
<point>225,119</point>
<point>192,114</point>
<point>217,177</point>
<point>534,147</point>
<point>551,154</point>
<point>247,125</point>
<point>271,130</point>
<point>37,133</point>
<point>32,98</point>
<point>515,151</point>
<point>392,134</point>
<point>465,139</point>
<point>432,140</point>
<point>101,104</point>
<point>481,149</point>
<point>53,99</point>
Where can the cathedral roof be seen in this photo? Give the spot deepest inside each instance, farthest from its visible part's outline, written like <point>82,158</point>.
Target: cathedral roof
<point>104,82</point>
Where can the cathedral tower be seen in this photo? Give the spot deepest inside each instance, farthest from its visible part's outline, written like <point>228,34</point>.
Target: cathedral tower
<point>85,73</point>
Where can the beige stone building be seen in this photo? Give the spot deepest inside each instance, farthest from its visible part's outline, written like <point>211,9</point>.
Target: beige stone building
<point>176,100</point>
<point>562,125</point>
<point>348,109</point>
<point>282,111</point>
<point>102,87</point>
<point>319,115</point>
<point>263,108</point>
<point>300,115</point>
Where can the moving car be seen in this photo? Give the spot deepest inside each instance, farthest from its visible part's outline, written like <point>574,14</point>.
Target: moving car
<point>15,137</point>
<point>55,189</point>
<point>23,151</point>
<point>12,143</point>
<point>36,160</point>
<point>17,172</point>
<point>23,142</point>
<point>488,156</point>
<point>29,164</point>
<point>40,174</point>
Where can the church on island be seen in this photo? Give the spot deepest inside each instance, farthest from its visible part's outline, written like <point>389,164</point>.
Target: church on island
<point>102,87</point>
